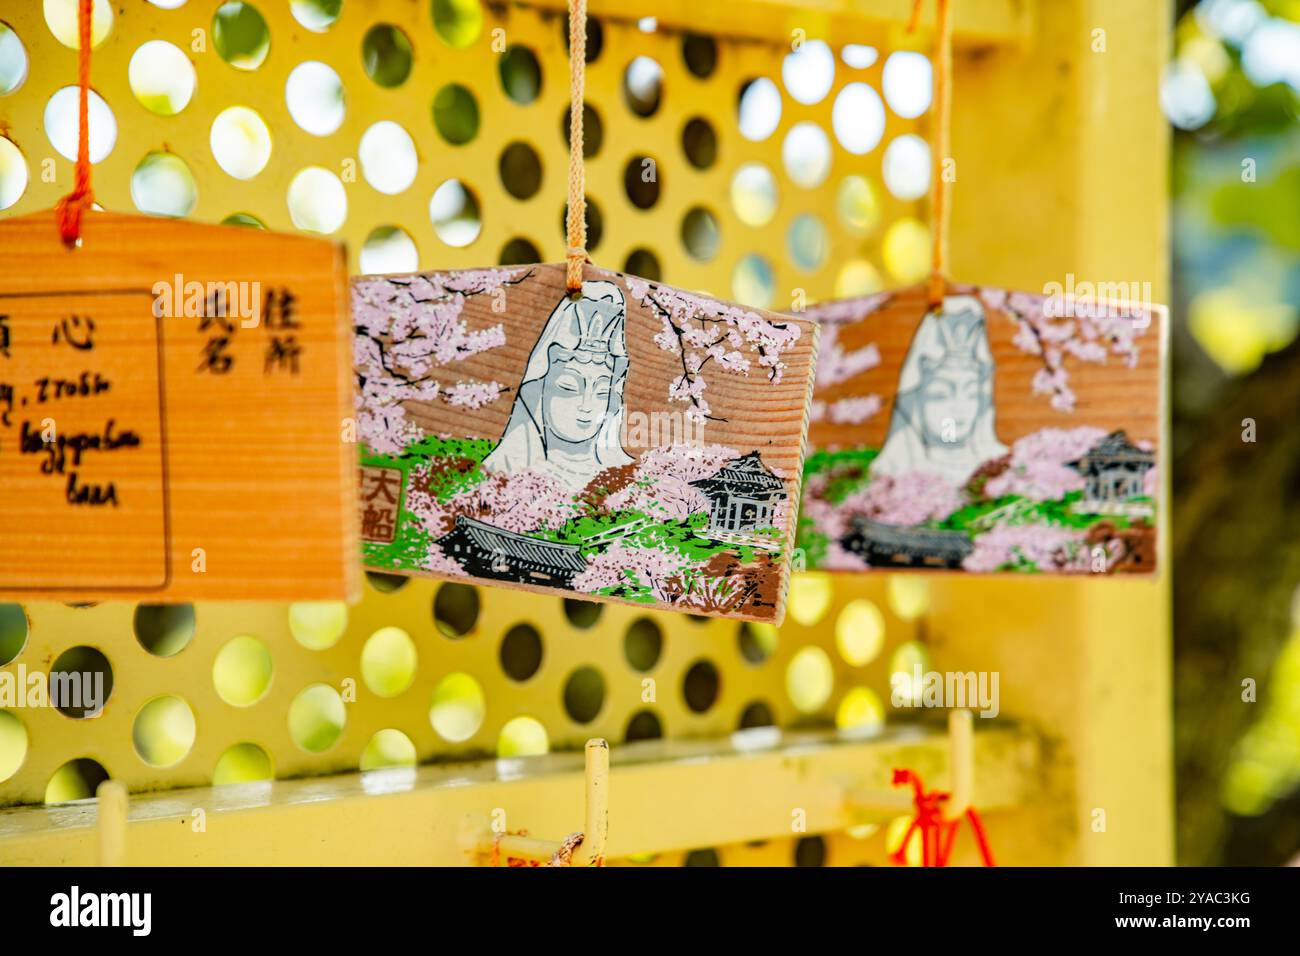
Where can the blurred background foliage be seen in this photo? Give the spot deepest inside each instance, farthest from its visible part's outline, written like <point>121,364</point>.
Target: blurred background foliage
<point>1231,93</point>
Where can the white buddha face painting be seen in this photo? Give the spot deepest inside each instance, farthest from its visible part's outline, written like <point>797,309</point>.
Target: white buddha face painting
<point>568,414</point>
<point>994,432</point>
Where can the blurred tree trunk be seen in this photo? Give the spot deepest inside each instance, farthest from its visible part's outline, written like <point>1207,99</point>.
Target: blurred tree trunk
<point>1236,554</point>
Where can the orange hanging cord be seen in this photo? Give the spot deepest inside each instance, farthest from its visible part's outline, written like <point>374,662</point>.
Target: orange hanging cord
<point>576,217</point>
<point>72,205</point>
<point>940,188</point>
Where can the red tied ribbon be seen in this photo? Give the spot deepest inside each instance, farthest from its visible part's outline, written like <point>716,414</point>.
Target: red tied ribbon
<point>937,834</point>
<point>72,205</point>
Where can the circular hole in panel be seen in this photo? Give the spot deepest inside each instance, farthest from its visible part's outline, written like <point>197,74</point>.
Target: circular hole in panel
<point>314,95</point>
<point>584,695</point>
<point>75,780</point>
<point>13,631</point>
<point>860,708</point>
<point>700,143</point>
<point>386,583</point>
<point>523,737</point>
<point>857,277</point>
<point>860,632</point>
<point>164,629</point>
<point>754,194</point>
<point>458,22</point>
<point>455,609</point>
<point>644,263</point>
<point>809,72</point>
<point>644,725</point>
<point>700,234</point>
<point>858,118</point>
<point>643,86</point>
<point>809,679</point>
<point>240,35</point>
<point>316,15</point>
<point>388,250</point>
<point>752,282</point>
<point>13,744</point>
<point>808,242</point>
<point>521,74</point>
<point>756,714</point>
<point>908,666</point>
<point>583,614</point>
<point>316,718</point>
<point>240,141</point>
<point>317,201</point>
<point>242,763</point>
<point>908,82</point>
<point>641,181</point>
<point>388,748</point>
<point>810,851</point>
<point>858,56</point>
<point>62,124</point>
<point>386,55</point>
<point>757,641</point>
<point>388,662</point>
<point>164,731</point>
<point>521,652</point>
<point>161,77</point>
<point>906,167</point>
<point>700,53</point>
<point>80,682</point>
<point>317,625</point>
<point>241,672</point>
<point>388,157</point>
<point>593,130</point>
<point>595,223</point>
<point>858,204</point>
<point>457,709</point>
<point>759,109</point>
<point>806,153</point>
<point>521,170</point>
<point>810,597</point>
<point>700,686</point>
<point>61,18</point>
<point>595,38</point>
<point>244,219</point>
<point>455,114</point>
<point>706,857</point>
<point>13,60</point>
<point>906,250</point>
<point>908,596</point>
<point>519,252</point>
<point>643,643</point>
<point>454,212</point>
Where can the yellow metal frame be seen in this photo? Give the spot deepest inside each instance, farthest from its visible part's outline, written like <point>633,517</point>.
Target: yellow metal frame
<point>1061,158</point>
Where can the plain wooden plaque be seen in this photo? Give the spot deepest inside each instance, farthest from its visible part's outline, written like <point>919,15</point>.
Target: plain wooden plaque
<point>194,380</point>
<point>642,444</point>
<point>1055,446</point>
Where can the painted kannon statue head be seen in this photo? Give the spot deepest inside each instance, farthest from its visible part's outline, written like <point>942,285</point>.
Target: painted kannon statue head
<point>568,414</point>
<point>943,416</point>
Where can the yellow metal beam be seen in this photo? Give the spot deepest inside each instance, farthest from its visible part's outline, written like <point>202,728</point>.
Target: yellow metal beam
<point>663,796</point>
<point>838,21</point>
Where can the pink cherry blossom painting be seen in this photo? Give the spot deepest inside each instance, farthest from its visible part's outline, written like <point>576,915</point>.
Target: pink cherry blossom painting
<point>999,432</point>
<point>630,442</point>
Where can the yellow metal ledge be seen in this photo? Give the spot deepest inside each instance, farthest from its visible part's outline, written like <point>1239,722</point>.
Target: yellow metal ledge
<point>975,22</point>
<point>664,796</point>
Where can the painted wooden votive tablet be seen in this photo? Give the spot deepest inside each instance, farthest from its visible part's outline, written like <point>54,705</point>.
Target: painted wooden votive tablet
<point>631,442</point>
<point>1000,432</point>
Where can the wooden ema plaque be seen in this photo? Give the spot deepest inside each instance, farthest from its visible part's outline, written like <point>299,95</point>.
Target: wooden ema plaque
<point>1005,432</point>
<point>173,399</point>
<point>632,443</point>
